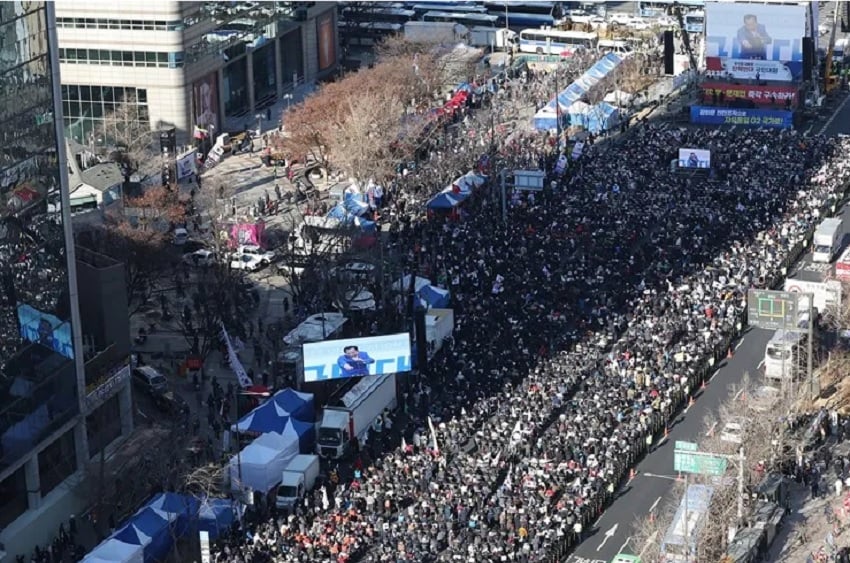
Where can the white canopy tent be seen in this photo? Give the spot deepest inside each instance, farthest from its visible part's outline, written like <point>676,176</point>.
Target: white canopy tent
<point>618,97</point>
<point>114,551</point>
<point>263,461</point>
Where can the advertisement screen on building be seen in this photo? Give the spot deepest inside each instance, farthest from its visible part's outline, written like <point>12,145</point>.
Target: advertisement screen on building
<point>205,98</point>
<point>45,329</point>
<point>745,117</point>
<point>694,158</point>
<point>755,41</point>
<point>355,357</point>
<point>326,41</point>
<point>758,94</point>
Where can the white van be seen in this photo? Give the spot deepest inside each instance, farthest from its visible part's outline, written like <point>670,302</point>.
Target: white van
<point>617,46</point>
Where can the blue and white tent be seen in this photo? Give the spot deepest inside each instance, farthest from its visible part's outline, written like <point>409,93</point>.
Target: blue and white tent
<point>298,405</point>
<point>447,199</point>
<point>179,509</point>
<point>340,216</point>
<point>216,516</point>
<point>268,417</point>
<point>602,117</point>
<point>434,296</point>
<point>150,529</point>
<point>115,551</point>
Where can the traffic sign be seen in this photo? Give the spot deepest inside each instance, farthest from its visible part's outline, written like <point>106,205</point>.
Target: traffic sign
<point>700,463</point>
<point>772,309</point>
<point>685,446</point>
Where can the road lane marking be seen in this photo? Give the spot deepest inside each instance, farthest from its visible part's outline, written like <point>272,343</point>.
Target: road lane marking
<point>834,115</point>
<point>739,344</point>
<point>625,544</point>
<point>761,364</point>
<point>710,431</point>
<point>654,504</point>
<point>608,535</point>
<point>738,394</point>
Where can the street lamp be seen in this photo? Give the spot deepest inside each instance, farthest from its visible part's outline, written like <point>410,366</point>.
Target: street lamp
<point>236,415</point>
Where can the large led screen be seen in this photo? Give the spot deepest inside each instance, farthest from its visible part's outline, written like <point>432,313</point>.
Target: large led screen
<point>694,158</point>
<point>356,357</point>
<point>755,41</point>
<point>45,329</point>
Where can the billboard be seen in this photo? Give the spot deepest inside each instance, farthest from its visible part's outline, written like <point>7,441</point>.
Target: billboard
<point>205,99</point>
<point>694,158</point>
<point>326,37</point>
<point>356,357</point>
<point>45,329</point>
<point>755,41</point>
<point>747,117</point>
<point>758,94</point>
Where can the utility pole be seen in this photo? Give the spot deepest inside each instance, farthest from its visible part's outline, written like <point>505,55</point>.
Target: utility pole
<point>813,385</point>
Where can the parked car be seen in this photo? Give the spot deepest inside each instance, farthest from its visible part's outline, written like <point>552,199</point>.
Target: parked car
<point>353,270</point>
<point>249,262</point>
<point>733,430</point>
<point>150,381</point>
<point>171,403</point>
<point>202,257</point>
<point>181,236</point>
<point>267,255</point>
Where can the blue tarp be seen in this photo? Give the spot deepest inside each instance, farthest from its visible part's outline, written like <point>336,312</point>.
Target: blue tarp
<point>602,117</point>
<point>339,213</point>
<point>355,205</point>
<point>216,516</point>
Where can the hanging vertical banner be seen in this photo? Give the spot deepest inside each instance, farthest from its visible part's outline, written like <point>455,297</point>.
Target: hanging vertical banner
<point>235,363</point>
<point>205,546</point>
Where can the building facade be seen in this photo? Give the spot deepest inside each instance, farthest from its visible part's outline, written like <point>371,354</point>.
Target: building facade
<point>186,64</point>
<point>44,443</point>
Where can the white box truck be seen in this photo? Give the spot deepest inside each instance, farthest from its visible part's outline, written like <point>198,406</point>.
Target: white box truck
<point>435,32</point>
<point>298,479</point>
<point>497,38</point>
<point>827,240</point>
<point>361,406</point>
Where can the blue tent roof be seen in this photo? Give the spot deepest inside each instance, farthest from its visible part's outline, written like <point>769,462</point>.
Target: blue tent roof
<point>581,85</point>
<point>353,204</point>
<point>298,405</point>
<point>216,516</point>
<point>434,296</point>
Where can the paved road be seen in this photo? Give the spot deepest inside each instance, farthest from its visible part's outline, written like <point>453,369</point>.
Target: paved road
<point>612,533</point>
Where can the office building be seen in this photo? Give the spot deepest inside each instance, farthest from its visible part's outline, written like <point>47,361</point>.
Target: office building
<point>48,386</point>
<point>208,64</point>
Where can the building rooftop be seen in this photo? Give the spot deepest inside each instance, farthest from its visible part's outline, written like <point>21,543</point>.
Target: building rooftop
<point>103,176</point>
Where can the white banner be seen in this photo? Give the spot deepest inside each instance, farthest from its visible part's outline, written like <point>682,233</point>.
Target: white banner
<point>766,70</point>
<point>186,165</point>
<point>235,363</point>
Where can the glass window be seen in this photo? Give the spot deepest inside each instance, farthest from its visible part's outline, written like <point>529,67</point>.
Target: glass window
<point>13,497</point>
<point>175,60</point>
<point>141,95</point>
<point>108,94</point>
<point>150,58</point>
<point>85,93</point>
<point>137,24</point>
<point>127,57</point>
<point>57,462</point>
<point>104,424</point>
<point>114,24</point>
<point>162,59</point>
<point>90,23</point>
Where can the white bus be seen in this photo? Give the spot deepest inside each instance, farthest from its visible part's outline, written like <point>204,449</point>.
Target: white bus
<point>786,352</point>
<point>555,42</point>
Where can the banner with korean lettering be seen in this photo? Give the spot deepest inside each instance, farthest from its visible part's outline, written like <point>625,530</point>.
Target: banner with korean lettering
<point>758,94</point>
<point>739,116</point>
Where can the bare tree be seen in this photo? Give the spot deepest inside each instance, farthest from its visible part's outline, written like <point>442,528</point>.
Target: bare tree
<point>127,128</point>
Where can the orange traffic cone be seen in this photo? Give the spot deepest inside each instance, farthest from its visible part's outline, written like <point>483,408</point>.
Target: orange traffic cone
<point>631,473</point>
<point>652,516</point>
<point>729,353</point>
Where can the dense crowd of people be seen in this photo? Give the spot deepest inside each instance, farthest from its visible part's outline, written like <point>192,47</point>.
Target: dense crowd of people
<point>582,322</point>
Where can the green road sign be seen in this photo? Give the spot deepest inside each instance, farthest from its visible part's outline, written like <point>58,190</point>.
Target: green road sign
<point>695,462</point>
<point>685,446</point>
<point>772,309</point>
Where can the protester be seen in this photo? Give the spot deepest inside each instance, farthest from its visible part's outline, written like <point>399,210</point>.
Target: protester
<point>581,323</point>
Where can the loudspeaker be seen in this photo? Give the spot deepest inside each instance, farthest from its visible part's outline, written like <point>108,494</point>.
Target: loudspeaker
<point>668,52</point>
<point>421,340</point>
<point>808,57</point>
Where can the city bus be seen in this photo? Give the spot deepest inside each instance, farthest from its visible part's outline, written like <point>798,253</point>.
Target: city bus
<point>464,19</point>
<point>520,15</point>
<point>786,352</point>
<point>422,9</point>
<point>695,21</point>
<point>679,544</point>
<point>369,14</point>
<point>555,42</point>
<point>656,8</point>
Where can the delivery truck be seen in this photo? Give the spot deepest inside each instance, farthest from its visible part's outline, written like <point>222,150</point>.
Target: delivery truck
<point>827,240</point>
<point>360,408</point>
<point>297,480</point>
